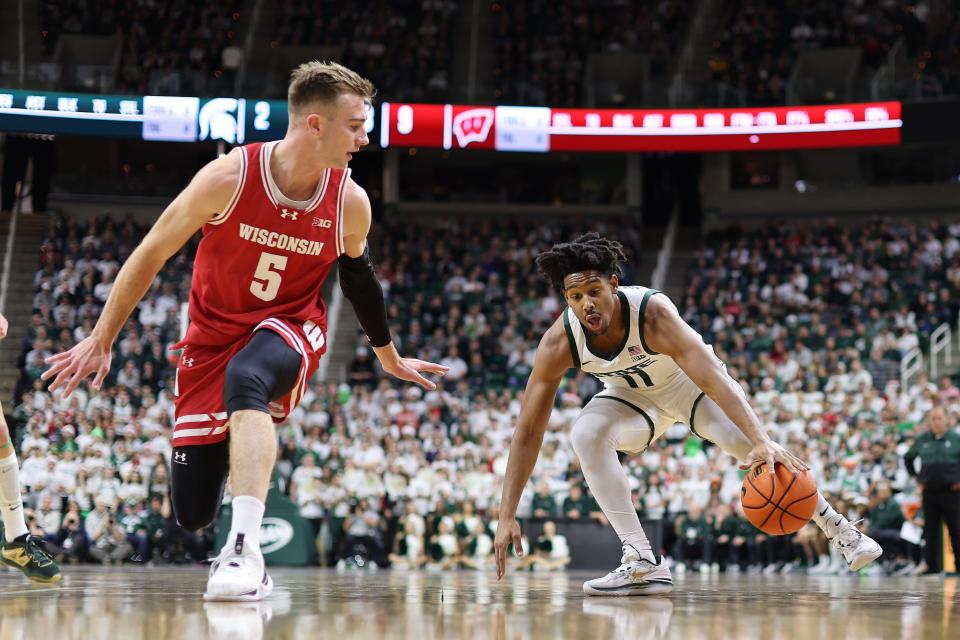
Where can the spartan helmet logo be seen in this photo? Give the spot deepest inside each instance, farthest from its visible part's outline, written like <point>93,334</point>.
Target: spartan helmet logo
<point>223,119</point>
<point>290,214</point>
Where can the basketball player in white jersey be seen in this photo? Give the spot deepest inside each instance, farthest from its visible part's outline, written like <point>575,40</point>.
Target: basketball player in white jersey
<point>656,371</point>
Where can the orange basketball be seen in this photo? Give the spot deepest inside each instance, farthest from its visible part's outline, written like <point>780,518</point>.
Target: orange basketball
<point>780,505</point>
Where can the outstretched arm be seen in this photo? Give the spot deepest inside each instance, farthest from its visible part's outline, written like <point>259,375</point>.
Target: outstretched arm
<point>667,333</point>
<point>552,361</point>
<point>360,286</point>
<point>205,196</point>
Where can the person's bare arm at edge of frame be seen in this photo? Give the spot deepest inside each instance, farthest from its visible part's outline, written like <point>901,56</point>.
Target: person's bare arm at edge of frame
<point>207,195</point>
<point>667,333</point>
<point>552,361</point>
<point>357,218</point>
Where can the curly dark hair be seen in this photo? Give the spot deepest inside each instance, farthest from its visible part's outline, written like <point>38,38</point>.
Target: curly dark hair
<point>589,252</point>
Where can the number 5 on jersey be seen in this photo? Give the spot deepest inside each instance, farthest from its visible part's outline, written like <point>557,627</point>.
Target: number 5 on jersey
<point>266,279</point>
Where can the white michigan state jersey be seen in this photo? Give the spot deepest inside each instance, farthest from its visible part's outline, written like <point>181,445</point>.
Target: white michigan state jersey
<point>633,365</point>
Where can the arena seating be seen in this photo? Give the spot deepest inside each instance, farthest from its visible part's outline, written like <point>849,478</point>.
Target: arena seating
<point>542,47</point>
<point>754,52</point>
<point>403,47</point>
<point>167,48</point>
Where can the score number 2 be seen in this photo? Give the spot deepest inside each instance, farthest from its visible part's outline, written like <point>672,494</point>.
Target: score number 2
<point>266,279</point>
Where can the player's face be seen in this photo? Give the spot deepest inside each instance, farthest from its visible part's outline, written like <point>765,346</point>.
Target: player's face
<point>592,296</point>
<point>342,131</point>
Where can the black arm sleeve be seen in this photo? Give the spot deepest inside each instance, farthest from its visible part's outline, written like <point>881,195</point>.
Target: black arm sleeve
<point>908,459</point>
<point>360,286</point>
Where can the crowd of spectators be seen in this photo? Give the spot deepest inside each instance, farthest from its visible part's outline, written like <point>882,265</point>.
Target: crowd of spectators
<point>757,44</point>
<point>403,47</point>
<point>542,47</point>
<point>174,47</point>
<point>808,319</point>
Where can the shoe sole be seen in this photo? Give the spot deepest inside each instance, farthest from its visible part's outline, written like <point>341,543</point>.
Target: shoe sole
<point>51,580</point>
<point>866,559</point>
<point>54,580</point>
<point>263,591</point>
<point>645,589</point>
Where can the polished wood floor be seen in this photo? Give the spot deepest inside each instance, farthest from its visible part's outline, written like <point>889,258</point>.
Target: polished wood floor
<point>163,603</point>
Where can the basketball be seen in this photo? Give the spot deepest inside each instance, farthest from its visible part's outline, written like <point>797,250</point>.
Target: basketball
<point>780,505</point>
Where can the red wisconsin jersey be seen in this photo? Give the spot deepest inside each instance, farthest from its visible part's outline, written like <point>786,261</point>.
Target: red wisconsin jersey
<point>265,256</point>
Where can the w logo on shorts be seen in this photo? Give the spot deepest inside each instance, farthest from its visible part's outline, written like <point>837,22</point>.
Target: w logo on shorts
<point>314,334</point>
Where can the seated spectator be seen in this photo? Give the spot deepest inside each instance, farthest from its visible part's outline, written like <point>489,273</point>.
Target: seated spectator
<point>363,534</point>
<point>408,548</point>
<point>47,519</point>
<point>694,540</point>
<point>135,529</point>
<point>552,552</point>
<point>108,541</point>
<point>884,518</point>
<point>305,491</point>
<point>544,505</point>
<point>72,537</point>
<point>442,548</point>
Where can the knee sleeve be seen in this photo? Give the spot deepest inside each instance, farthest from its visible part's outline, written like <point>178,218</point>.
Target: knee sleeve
<point>197,478</point>
<point>264,370</point>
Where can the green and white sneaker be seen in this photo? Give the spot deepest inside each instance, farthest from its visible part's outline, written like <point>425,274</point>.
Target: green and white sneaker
<point>27,554</point>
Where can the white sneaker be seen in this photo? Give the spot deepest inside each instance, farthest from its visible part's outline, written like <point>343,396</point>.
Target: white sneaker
<point>858,549</point>
<point>238,573</point>
<point>635,576</point>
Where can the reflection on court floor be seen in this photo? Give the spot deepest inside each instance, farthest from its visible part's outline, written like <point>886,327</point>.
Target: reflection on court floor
<point>163,603</point>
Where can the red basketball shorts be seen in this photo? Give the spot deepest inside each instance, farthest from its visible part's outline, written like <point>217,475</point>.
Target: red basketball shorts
<point>201,417</point>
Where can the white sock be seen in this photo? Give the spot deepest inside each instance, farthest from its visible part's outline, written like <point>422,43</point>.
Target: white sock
<point>247,516</point>
<point>11,505</point>
<point>825,517</point>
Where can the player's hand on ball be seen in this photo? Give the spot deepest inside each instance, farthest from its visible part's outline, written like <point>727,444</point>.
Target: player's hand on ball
<point>508,530</point>
<point>71,367</point>
<point>769,452</point>
<point>409,369</point>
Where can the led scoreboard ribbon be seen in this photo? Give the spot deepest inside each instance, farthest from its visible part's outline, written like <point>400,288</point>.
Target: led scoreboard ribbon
<point>165,118</point>
<point>506,128</point>
<point>446,126</point>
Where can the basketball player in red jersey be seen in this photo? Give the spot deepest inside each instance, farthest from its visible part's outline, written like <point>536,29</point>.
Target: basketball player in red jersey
<point>275,218</point>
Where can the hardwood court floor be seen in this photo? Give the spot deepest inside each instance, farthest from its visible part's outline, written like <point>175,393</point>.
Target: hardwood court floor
<point>164,603</point>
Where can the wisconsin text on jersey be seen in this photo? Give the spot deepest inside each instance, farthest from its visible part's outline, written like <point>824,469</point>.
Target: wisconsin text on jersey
<point>280,240</point>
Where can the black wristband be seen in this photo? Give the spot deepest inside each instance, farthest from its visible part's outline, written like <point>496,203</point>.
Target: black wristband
<point>360,286</point>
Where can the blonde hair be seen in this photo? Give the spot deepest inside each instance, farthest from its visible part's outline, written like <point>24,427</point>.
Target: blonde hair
<point>322,82</point>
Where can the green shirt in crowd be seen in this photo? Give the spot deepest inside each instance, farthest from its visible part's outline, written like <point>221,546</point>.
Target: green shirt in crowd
<point>939,459</point>
<point>887,515</point>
